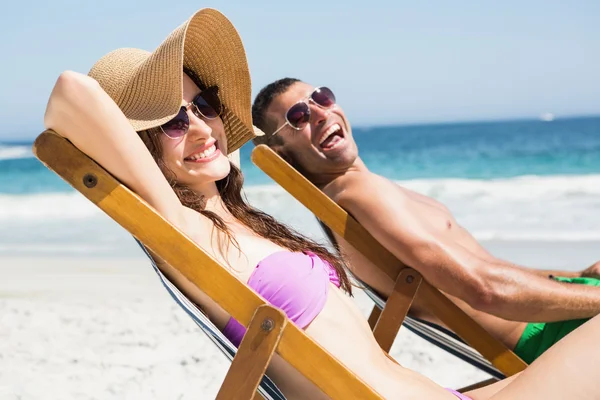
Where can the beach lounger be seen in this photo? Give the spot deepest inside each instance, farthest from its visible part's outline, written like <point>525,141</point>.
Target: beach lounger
<point>268,328</point>
<point>387,316</point>
<point>267,389</point>
<point>433,333</point>
<point>442,338</point>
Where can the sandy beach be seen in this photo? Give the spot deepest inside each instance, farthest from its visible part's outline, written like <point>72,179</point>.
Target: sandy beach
<point>84,316</point>
<point>104,328</point>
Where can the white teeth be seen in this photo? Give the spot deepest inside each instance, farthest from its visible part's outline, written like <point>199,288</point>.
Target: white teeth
<point>329,132</point>
<point>203,154</point>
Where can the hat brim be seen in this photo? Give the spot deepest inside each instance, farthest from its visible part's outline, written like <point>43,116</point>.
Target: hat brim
<point>148,86</point>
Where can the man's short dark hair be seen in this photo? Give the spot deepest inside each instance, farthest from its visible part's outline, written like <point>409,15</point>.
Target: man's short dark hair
<point>262,102</point>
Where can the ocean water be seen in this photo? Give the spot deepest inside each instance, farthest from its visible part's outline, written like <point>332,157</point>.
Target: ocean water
<point>515,180</point>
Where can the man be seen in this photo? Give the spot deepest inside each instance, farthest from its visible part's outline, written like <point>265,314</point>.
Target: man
<point>307,128</point>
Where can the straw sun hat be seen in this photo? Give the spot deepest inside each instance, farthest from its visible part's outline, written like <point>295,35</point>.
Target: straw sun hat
<point>147,87</point>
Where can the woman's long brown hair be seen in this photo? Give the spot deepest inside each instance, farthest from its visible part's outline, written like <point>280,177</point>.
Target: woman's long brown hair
<point>230,189</point>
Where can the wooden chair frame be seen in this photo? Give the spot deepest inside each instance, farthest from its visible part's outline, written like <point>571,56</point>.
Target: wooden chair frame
<point>386,323</point>
<point>268,331</point>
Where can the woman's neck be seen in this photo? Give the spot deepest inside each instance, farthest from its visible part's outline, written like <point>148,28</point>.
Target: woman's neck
<point>213,200</point>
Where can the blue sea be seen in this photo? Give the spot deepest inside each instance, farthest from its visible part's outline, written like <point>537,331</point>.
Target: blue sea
<point>514,180</point>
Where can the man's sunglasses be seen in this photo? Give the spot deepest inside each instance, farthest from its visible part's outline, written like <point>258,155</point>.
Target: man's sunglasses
<point>298,115</point>
<point>205,105</point>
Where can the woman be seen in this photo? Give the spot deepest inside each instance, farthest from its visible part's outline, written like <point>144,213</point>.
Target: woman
<point>186,123</point>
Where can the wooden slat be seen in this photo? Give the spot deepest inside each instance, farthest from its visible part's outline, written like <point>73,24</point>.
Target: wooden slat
<point>254,354</point>
<point>258,396</point>
<point>340,222</point>
<point>162,238</point>
<point>477,385</point>
<point>396,308</point>
<point>473,333</point>
<point>374,316</point>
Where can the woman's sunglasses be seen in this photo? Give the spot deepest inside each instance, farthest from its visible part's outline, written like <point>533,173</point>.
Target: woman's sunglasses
<point>298,115</point>
<point>205,105</point>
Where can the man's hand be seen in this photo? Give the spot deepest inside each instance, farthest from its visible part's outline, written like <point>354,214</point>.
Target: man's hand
<point>592,272</point>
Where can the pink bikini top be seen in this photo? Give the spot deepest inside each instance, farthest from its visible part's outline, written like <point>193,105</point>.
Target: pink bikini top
<point>297,283</point>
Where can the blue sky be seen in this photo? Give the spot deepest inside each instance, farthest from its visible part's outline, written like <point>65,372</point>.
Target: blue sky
<point>388,61</point>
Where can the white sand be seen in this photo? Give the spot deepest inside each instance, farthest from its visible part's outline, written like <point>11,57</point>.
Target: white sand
<point>102,328</point>
<point>105,329</point>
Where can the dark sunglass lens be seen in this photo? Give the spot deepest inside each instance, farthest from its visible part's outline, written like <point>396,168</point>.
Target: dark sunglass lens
<point>298,114</point>
<point>208,104</point>
<point>178,126</point>
<point>324,97</point>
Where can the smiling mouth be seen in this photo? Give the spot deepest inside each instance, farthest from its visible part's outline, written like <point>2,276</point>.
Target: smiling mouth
<point>332,137</point>
<point>206,155</point>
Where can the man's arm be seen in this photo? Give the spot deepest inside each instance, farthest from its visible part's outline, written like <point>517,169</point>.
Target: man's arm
<point>499,288</point>
<point>547,273</point>
<point>591,272</point>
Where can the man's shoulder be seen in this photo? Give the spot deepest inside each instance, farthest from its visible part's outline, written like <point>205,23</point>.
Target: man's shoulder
<point>346,182</point>
<point>358,185</point>
<point>366,180</point>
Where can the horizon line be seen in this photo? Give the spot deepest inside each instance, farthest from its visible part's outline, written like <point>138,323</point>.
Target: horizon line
<point>359,126</point>
<point>475,121</point>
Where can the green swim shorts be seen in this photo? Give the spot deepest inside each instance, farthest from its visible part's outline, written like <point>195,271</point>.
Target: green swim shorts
<point>540,336</point>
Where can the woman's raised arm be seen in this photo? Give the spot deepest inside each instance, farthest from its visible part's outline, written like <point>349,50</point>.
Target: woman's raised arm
<point>82,112</point>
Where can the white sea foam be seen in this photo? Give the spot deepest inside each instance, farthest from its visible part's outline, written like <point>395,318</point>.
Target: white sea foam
<point>563,208</point>
<point>46,207</point>
<point>12,152</point>
<point>526,188</point>
<point>530,208</point>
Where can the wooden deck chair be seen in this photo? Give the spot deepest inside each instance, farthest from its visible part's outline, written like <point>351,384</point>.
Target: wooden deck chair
<point>268,328</point>
<point>386,322</point>
<point>267,389</point>
<point>429,331</point>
